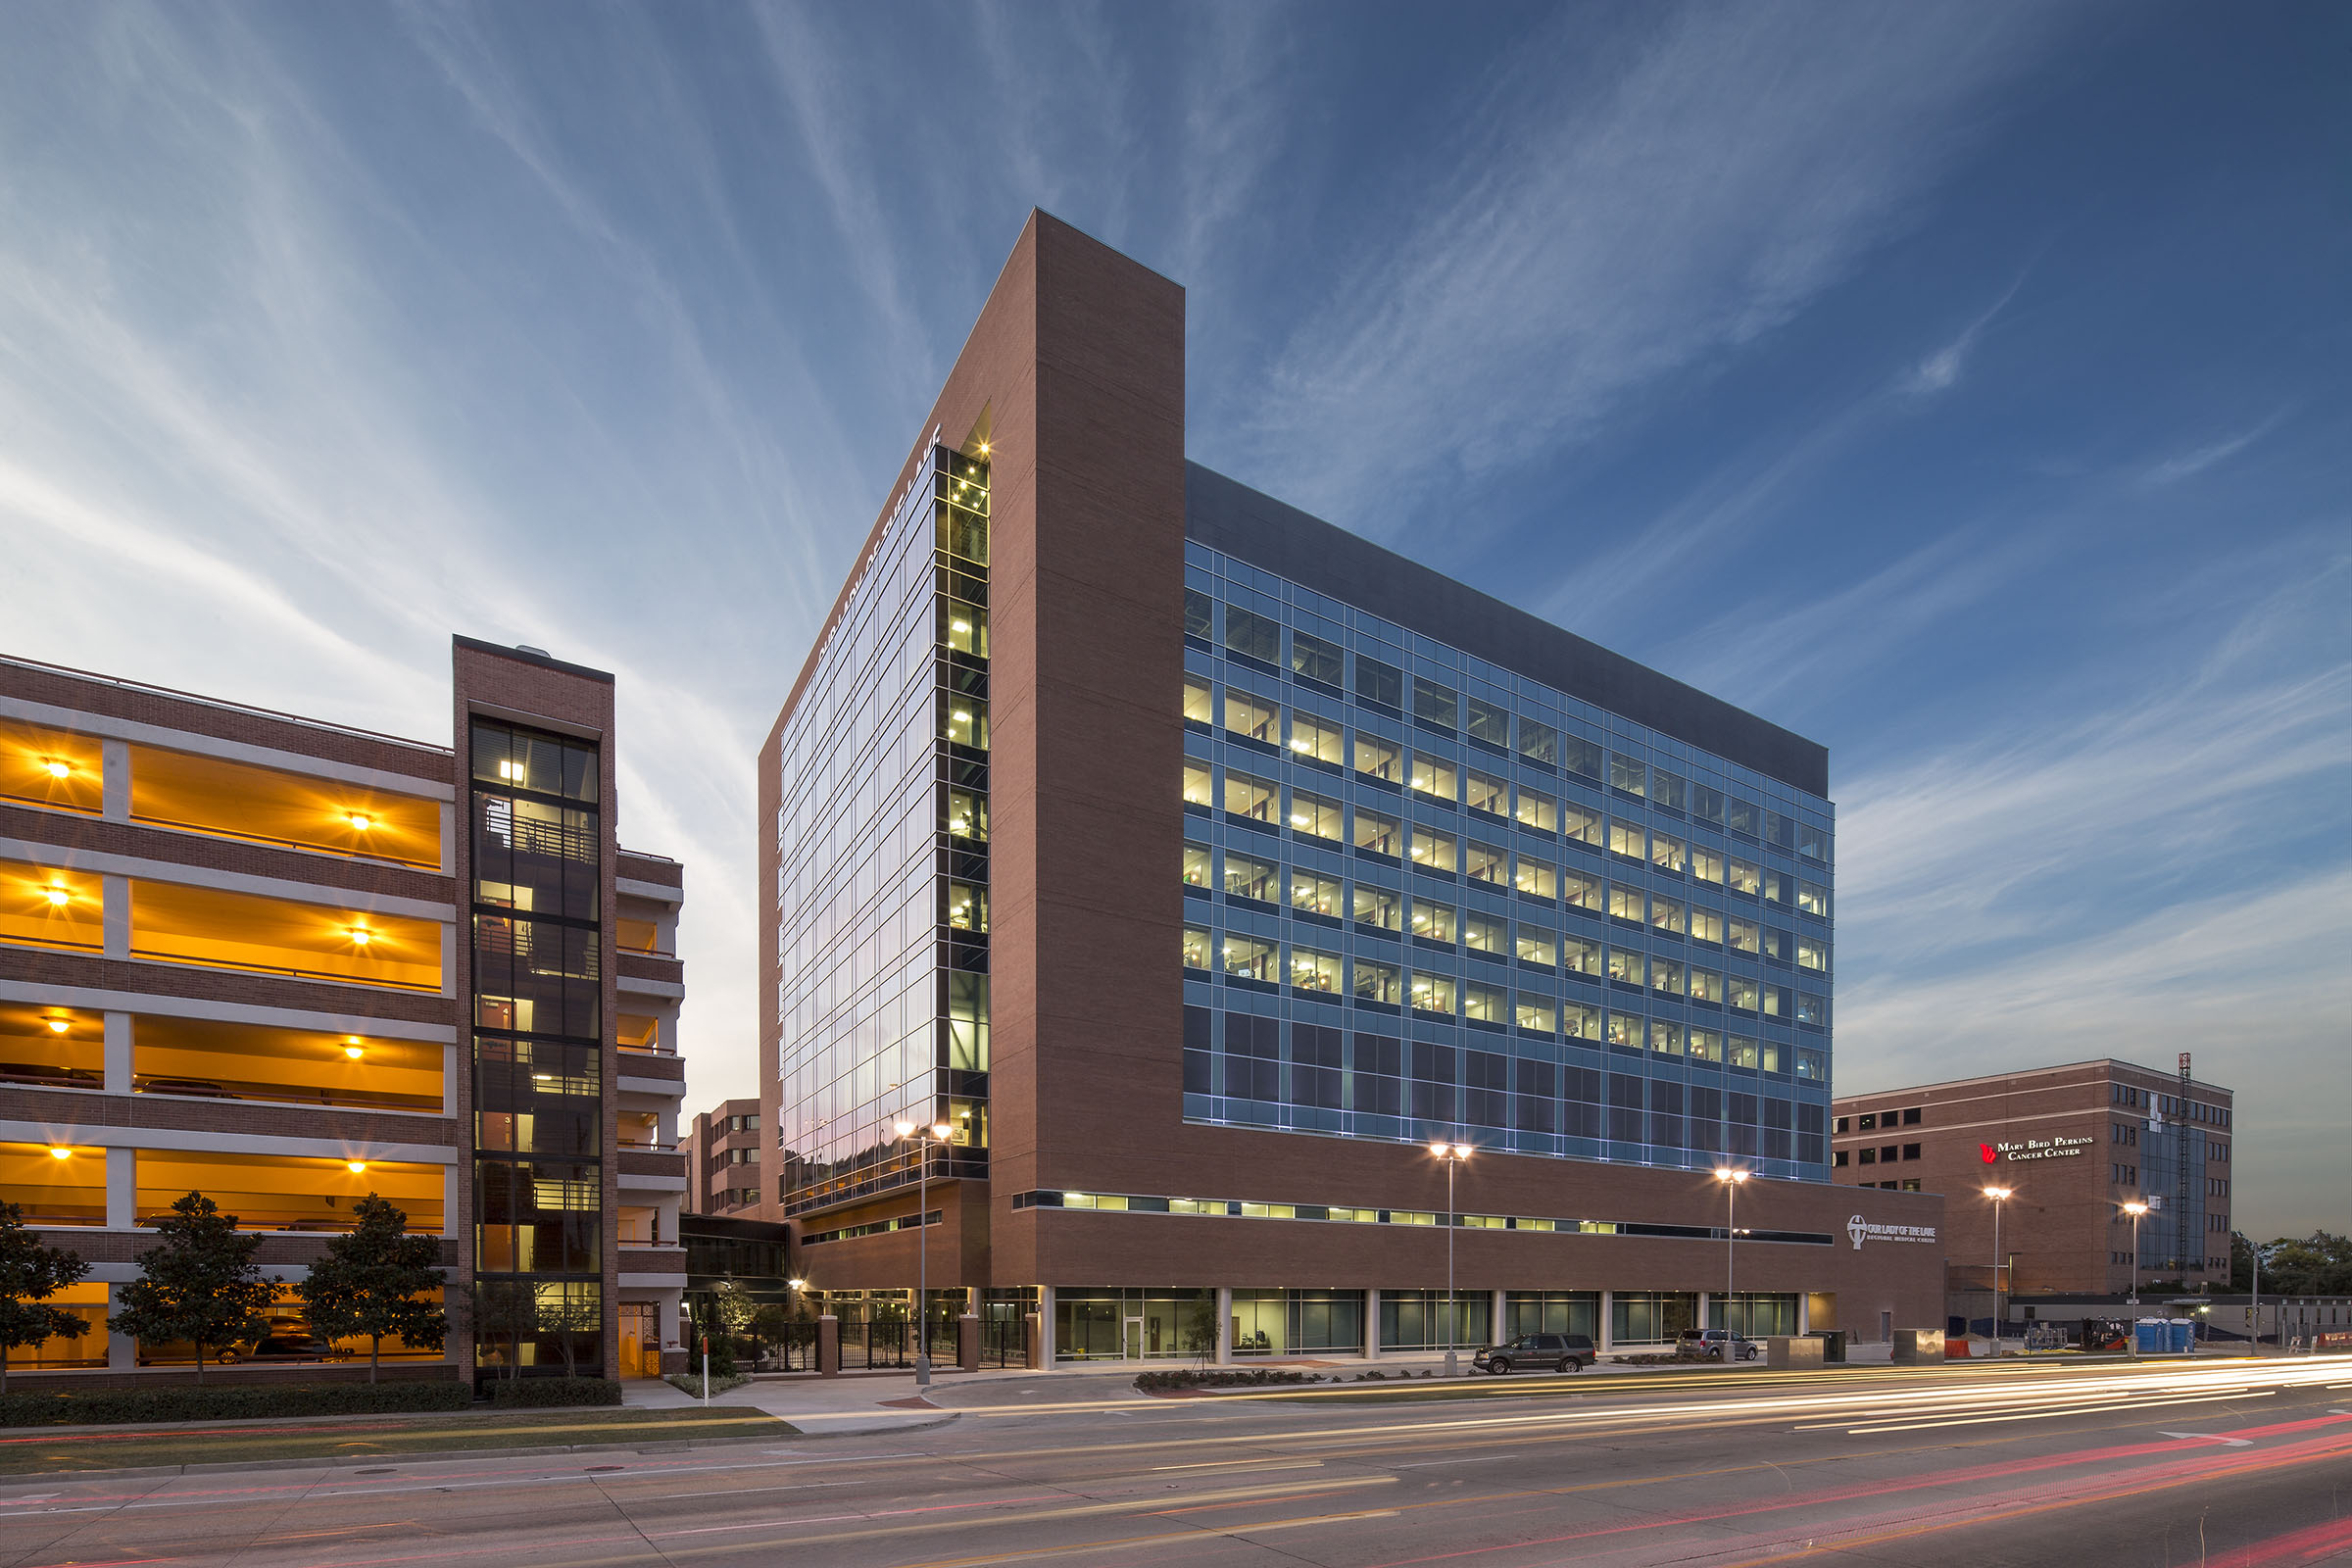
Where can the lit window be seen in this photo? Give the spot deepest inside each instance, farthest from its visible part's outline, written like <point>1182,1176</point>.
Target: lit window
<point>1625,838</point>
<point>1743,936</point>
<point>1625,903</point>
<point>1539,1014</point>
<point>1434,993</point>
<point>967,907</point>
<point>1486,1003</point>
<point>1435,778</point>
<point>1812,955</point>
<point>1250,957</point>
<point>1665,1039</point>
<point>1317,740</point>
<point>1706,925</point>
<point>1582,823</point>
<point>1315,895</point>
<point>1379,758</point>
<point>1378,834</point>
<point>967,811</point>
<point>1489,795</point>
<point>1741,1052</point>
<point>1705,1045</point>
<point>1580,892</point>
<point>1625,1029</point>
<point>1535,944</point>
<point>1379,906</point>
<point>1377,982</point>
<point>1483,933</point>
<point>1666,974</point>
<point>1707,985</point>
<point>1538,879</point>
<point>1813,843</point>
<point>1812,1010</point>
<point>1579,956</point>
<point>1742,993</point>
<point>1197,701</point>
<point>1314,971</point>
<point>1484,863</point>
<point>1196,865</point>
<point>1197,791</point>
<point>963,627</point>
<point>1435,852</point>
<point>1580,1020</point>
<point>1666,914</point>
<point>1316,817</point>
<point>1668,852</point>
<point>1257,799</point>
<point>964,720</point>
<point>1629,967</point>
<point>1433,920</point>
<point>1742,878</point>
<point>1813,898</point>
<point>1248,715</point>
<point>1246,878</point>
<point>1706,865</point>
<point>1538,809</point>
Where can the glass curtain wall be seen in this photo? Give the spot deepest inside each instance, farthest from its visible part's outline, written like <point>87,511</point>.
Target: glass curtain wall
<point>882,891</point>
<point>1428,897</point>
<point>538,987</point>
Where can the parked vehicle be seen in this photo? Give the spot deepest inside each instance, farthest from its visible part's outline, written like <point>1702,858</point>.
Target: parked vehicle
<point>1563,1353</point>
<point>1715,1345</point>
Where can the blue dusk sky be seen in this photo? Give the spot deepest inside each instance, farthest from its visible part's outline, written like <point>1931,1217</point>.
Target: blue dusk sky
<point>1962,386</point>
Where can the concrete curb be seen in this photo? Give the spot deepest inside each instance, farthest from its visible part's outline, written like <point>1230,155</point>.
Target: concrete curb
<point>160,1472</point>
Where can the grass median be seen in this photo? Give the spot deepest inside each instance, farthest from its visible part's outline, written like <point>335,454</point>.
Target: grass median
<point>352,1439</point>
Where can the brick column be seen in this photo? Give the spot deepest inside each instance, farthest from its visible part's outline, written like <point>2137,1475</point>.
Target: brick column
<point>967,1342</point>
<point>828,1345</point>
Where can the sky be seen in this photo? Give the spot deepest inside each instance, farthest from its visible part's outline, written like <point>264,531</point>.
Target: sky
<point>1964,387</point>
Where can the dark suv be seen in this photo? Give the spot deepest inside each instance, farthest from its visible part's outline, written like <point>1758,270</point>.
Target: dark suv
<point>1563,1353</point>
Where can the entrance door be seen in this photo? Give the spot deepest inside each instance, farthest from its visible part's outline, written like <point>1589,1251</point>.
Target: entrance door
<point>1887,1328</point>
<point>1135,1339</point>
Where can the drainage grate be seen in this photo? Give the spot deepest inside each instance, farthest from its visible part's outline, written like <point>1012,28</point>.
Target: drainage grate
<point>376,1472</point>
<point>596,1468</point>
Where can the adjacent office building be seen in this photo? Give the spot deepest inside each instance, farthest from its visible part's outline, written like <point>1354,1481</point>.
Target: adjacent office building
<point>2073,1145</point>
<point>1193,865</point>
<point>287,963</point>
<point>722,1159</point>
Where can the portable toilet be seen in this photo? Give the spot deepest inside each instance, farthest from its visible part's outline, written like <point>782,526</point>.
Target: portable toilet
<point>2181,1334</point>
<point>2147,1336</point>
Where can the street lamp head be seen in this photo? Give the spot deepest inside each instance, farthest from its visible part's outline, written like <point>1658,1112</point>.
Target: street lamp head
<point>2136,1210</point>
<point>1724,1173</point>
<point>1997,1194</point>
<point>904,1129</point>
<point>798,1285</point>
<point>942,1131</point>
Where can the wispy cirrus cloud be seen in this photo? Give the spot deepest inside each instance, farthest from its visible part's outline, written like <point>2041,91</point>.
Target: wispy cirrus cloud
<point>2197,459</point>
<point>1689,189</point>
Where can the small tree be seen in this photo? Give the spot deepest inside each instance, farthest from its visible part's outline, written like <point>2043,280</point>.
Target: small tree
<point>731,1312</point>
<point>1200,1326</point>
<point>30,1274</point>
<point>199,1284</point>
<point>567,1314</point>
<point>504,1305</point>
<point>369,1281</point>
<point>771,1325</point>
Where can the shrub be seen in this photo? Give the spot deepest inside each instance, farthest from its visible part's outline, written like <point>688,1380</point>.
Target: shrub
<point>691,1382</point>
<point>234,1401</point>
<point>1189,1378</point>
<point>540,1393</point>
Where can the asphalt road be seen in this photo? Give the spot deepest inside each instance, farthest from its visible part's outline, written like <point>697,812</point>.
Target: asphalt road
<point>2241,1465</point>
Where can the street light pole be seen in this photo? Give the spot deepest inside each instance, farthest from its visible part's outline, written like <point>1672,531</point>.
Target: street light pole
<point>1997,1195</point>
<point>1731,1180</point>
<point>2136,1208</point>
<point>922,1242</point>
<point>1453,1155</point>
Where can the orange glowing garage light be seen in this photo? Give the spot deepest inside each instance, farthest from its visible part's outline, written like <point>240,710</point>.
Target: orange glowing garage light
<point>57,895</point>
<point>352,1046</point>
<point>360,819</point>
<point>58,767</point>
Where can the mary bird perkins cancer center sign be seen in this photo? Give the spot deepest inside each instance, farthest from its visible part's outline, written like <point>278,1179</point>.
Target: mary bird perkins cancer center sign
<point>2058,1148</point>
